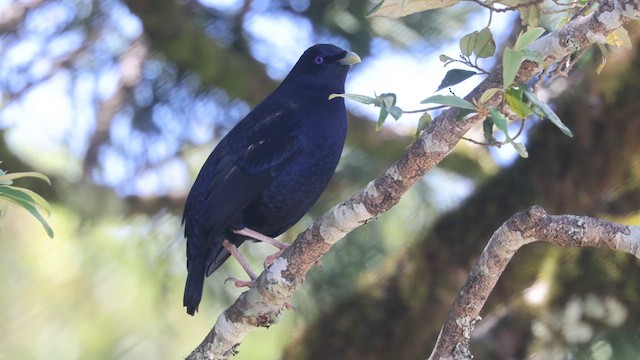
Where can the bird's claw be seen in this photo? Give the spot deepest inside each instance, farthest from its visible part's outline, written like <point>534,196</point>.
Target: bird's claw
<point>271,258</point>
<point>240,283</point>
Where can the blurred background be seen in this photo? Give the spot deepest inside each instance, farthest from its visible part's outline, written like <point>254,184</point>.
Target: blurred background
<point>120,103</point>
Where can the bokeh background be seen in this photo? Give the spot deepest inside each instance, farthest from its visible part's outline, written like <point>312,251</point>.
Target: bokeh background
<point>120,103</point>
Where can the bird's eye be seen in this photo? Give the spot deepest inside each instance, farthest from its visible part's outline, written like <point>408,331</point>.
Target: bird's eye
<point>319,60</point>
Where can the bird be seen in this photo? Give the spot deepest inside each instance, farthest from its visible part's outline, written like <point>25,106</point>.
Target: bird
<point>270,168</point>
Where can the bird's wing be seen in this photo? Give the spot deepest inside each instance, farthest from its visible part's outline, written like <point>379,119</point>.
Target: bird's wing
<point>242,173</point>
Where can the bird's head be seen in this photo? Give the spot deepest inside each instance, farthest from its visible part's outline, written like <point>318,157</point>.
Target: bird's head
<point>323,63</point>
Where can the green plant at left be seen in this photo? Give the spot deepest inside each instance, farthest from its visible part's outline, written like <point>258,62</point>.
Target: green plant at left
<point>23,197</point>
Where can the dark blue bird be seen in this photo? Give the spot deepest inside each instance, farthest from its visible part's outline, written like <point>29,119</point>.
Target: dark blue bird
<point>270,169</point>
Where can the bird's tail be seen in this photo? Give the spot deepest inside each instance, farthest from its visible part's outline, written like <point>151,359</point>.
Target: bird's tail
<point>195,283</point>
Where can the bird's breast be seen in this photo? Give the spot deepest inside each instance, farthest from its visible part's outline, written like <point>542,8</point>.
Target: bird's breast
<point>297,187</point>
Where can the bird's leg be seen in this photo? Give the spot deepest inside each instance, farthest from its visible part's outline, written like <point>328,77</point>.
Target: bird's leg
<point>269,240</point>
<point>261,237</point>
<point>233,250</point>
<point>245,265</point>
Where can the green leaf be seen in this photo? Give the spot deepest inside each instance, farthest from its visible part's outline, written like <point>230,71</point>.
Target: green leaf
<point>530,15</point>
<point>487,130</point>
<point>479,42</point>
<point>455,76</point>
<point>511,60</point>
<point>513,98</point>
<point>19,199</point>
<point>444,58</point>
<point>528,37</point>
<point>603,61</point>
<point>462,113</point>
<point>488,94</point>
<point>521,149</point>
<point>359,98</point>
<point>619,37</point>
<point>485,45</point>
<point>449,100</point>
<point>424,120</point>
<point>532,55</point>
<point>387,99</point>
<point>396,112</point>
<point>384,112</point>
<point>499,120</point>
<point>13,176</point>
<point>30,196</point>
<point>468,43</point>
<point>546,111</point>
<point>8,193</point>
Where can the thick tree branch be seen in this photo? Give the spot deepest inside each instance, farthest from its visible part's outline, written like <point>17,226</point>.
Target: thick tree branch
<point>523,228</point>
<point>262,304</point>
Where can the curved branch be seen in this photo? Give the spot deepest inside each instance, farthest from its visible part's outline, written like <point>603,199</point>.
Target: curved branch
<point>523,228</point>
<point>262,304</point>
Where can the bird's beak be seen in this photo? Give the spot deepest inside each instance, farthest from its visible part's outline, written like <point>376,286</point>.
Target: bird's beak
<point>349,59</point>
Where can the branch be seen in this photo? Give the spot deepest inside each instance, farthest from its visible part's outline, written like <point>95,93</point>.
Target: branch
<point>523,228</point>
<point>261,305</point>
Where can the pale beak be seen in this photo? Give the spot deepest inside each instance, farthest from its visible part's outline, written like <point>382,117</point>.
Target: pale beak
<point>349,59</point>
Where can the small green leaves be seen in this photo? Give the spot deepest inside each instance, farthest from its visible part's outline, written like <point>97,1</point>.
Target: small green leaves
<point>511,60</point>
<point>522,151</point>
<point>387,104</point>
<point>498,119</point>
<point>546,111</point>
<point>25,198</point>
<point>355,97</point>
<point>513,96</point>
<point>528,37</point>
<point>620,38</point>
<point>488,94</point>
<point>530,15</point>
<point>449,100</point>
<point>444,58</point>
<point>455,76</point>
<point>532,55</point>
<point>480,43</point>
<point>487,130</point>
<point>603,59</point>
<point>424,120</point>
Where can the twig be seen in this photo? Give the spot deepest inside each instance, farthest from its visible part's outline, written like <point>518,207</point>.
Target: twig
<point>425,109</point>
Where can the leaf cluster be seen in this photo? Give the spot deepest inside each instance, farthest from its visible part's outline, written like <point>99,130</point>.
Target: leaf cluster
<point>23,197</point>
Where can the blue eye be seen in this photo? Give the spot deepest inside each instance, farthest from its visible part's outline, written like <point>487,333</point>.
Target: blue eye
<point>319,60</point>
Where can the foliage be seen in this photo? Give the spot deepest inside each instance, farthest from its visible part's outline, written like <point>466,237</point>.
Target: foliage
<point>516,101</point>
<point>23,197</point>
